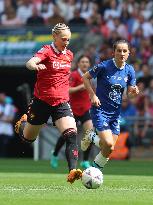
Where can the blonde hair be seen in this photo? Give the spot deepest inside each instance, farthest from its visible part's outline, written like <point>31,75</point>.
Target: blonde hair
<point>59,27</point>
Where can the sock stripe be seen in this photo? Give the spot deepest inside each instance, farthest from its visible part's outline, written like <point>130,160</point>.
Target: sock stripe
<point>69,132</point>
<point>96,165</point>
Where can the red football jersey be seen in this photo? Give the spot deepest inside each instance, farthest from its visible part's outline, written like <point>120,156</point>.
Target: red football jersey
<point>52,85</point>
<point>80,101</point>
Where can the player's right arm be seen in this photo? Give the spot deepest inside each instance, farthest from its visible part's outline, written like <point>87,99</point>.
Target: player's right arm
<point>93,97</point>
<point>35,64</point>
<point>74,87</point>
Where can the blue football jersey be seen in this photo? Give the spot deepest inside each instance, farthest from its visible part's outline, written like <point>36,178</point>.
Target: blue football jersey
<point>111,82</point>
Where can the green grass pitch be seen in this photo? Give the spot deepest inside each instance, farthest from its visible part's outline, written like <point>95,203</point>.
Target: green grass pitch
<point>25,182</point>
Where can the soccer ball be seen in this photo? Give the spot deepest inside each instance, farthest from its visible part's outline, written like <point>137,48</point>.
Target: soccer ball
<point>92,178</point>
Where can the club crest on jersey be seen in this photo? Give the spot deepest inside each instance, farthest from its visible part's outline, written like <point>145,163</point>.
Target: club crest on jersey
<point>94,68</point>
<point>126,79</point>
<point>67,58</point>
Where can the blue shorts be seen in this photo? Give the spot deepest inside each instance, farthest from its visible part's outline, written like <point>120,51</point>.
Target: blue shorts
<point>102,122</point>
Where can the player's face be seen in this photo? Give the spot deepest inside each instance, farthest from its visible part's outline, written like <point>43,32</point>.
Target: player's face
<point>62,39</point>
<point>121,52</point>
<point>84,64</point>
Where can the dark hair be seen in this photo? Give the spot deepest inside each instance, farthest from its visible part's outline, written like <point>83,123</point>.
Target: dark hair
<point>120,41</point>
<point>83,56</point>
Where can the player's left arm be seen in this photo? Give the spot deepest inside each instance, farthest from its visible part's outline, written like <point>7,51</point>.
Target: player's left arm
<point>132,89</point>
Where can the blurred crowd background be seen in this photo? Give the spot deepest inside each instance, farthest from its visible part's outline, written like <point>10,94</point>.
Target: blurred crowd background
<point>100,23</point>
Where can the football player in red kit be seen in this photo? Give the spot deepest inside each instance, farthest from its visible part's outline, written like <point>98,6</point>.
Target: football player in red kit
<point>51,96</point>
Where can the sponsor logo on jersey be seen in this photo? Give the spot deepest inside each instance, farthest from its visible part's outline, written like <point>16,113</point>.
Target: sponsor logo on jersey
<point>115,93</point>
<point>116,77</point>
<point>58,65</point>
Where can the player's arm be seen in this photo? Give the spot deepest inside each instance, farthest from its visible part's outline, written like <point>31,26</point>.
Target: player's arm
<point>132,91</point>
<point>86,80</point>
<point>35,64</point>
<point>76,88</point>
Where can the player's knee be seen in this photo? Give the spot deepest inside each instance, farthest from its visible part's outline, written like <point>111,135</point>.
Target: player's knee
<point>70,134</point>
<point>111,149</point>
<point>26,140</point>
<point>25,136</point>
<point>110,146</point>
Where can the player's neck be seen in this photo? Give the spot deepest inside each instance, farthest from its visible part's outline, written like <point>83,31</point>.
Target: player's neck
<point>57,48</point>
<point>119,64</point>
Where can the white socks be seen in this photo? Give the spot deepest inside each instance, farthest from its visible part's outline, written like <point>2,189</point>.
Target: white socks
<point>100,161</point>
<point>94,138</point>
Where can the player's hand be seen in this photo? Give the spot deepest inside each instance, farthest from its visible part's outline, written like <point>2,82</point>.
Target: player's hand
<point>40,67</point>
<point>133,91</point>
<point>95,101</point>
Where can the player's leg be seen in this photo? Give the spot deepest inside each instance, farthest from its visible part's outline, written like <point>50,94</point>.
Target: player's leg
<point>108,140</point>
<point>89,134</point>
<point>54,155</point>
<point>85,163</point>
<point>29,125</point>
<point>27,132</point>
<point>67,127</point>
<point>87,125</point>
<point>65,122</point>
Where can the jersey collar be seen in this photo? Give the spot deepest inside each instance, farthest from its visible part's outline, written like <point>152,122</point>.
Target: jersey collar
<point>121,68</point>
<point>57,51</point>
<point>80,72</point>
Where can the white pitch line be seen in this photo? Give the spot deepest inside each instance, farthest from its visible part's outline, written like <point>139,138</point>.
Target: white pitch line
<point>51,189</point>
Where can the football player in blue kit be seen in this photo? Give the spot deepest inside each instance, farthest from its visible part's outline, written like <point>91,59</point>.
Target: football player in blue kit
<point>113,77</point>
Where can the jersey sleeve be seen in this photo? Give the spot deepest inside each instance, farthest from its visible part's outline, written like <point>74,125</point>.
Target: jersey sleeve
<point>96,70</point>
<point>131,77</point>
<point>42,53</point>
